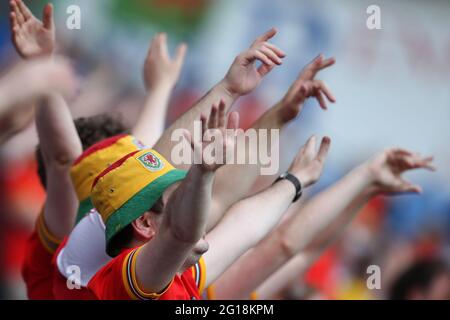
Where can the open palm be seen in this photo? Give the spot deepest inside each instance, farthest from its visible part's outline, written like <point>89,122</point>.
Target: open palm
<point>389,166</point>
<point>31,37</point>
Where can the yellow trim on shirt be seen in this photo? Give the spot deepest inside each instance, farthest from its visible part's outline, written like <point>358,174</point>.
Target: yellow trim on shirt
<point>48,240</point>
<point>130,280</point>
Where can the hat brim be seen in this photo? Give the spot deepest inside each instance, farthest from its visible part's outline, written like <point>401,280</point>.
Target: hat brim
<point>138,205</point>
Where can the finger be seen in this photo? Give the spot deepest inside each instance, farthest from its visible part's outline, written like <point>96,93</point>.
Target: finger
<point>47,18</point>
<point>256,54</point>
<point>203,120</point>
<point>275,49</point>
<point>187,135</point>
<point>152,47</point>
<point>321,100</point>
<point>310,145</point>
<point>266,36</point>
<point>212,123</point>
<point>233,120</point>
<point>312,68</point>
<point>180,54</point>
<point>327,63</point>
<point>324,148</point>
<point>406,186</point>
<point>13,22</point>
<point>26,13</point>
<point>15,7</point>
<point>265,69</point>
<point>222,114</point>
<point>163,45</point>
<point>271,55</point>
<point>325,90</point>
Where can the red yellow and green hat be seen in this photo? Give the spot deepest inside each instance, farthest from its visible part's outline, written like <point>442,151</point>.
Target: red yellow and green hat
<point>130,187</point>
<point>93,161</point>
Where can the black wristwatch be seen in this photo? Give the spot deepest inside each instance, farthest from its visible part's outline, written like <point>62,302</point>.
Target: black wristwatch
<point>295,182</point>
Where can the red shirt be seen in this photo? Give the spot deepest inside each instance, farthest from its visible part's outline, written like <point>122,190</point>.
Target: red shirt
<point>37,270</point>
<point>117,281</point>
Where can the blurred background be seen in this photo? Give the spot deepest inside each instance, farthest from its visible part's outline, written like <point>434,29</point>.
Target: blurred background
<point>392,87</point>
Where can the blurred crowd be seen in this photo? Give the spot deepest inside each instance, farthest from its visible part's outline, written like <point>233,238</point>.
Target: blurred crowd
<point>407,237</point>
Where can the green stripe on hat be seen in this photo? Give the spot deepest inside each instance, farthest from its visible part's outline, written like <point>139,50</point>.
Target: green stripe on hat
<point>138,205</point>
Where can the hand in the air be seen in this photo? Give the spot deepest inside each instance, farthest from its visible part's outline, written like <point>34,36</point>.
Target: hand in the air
<point>306,86</point>
<point>386,170</point>
<point>244,76</point>
<point>308,164</point>
<point>216,134</point>
<point>160,69</point>
<point>31,37</point>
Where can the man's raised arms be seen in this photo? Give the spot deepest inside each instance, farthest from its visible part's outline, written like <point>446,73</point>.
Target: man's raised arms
<point>248,221</point>
<point>242,78</point>
<point>235,181</point>
<point>161,74</point>
<point>185,214</point>
<point>59,141</point>
<point>301,238</point>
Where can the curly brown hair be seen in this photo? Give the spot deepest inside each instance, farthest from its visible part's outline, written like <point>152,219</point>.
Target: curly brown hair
<point>90,130</point>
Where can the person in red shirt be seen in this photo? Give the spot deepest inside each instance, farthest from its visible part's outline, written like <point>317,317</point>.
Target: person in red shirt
<point>62,140</point>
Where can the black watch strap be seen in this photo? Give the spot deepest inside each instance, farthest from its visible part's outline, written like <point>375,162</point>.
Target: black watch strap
<point>298,186</point>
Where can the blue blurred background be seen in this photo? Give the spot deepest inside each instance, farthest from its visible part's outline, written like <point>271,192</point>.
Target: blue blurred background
<point>392,87</point>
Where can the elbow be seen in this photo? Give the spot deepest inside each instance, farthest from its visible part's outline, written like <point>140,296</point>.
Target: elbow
<point>184,235</point>
<point>285,244</point>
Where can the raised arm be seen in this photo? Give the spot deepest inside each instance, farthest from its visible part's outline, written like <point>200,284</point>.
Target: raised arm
<point>59,141</point>
<point>161,74</point>
<point>250,220</point>
<point>186,211</point>
<point>242,78</point>
<point>300,239</point>
<point>233,183</point>
<point>24,84</point>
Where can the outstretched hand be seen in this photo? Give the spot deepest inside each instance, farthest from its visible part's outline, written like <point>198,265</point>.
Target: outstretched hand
<point>306,86</point>
<point>215,134</point>
<point>32,37</point>
<point>308,164</point>
<point>244,76</point>
<point>387,168</point>
<point>159,68</point>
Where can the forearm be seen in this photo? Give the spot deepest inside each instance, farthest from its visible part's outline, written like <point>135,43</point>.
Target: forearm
<point>319,213</point>
<point>234,182</point>
<point>189,205</point>
<point>300,263</point>
<point>59,141</point>
<point>182,227</point>
<point>262,213</point>
<point>165,144</point>
<point>313,223</point>
<point>151,121</point>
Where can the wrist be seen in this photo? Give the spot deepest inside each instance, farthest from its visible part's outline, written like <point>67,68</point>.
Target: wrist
<point>160,86</point>
<point>368,176</point>
<point>225,90</point>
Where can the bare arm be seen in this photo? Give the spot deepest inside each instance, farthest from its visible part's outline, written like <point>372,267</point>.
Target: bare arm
<point>242,78</point>
<point>304,236</point>
<point>234,182</point>
<point>262,212</point>
<point>161,75</point>
<point>185,216</point>
<point>59,141</point>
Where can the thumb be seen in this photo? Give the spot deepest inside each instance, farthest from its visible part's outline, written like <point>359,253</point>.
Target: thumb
<point>48,17</point>
<point>180,54</point>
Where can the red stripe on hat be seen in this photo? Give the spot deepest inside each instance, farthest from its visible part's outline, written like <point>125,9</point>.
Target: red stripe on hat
<point>99,146</point>
<point>115,165</point>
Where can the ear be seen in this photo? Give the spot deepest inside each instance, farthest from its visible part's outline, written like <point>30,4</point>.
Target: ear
<point>144,227</point>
